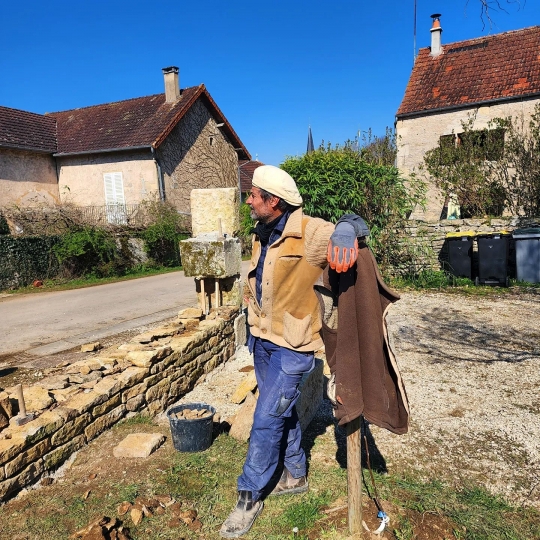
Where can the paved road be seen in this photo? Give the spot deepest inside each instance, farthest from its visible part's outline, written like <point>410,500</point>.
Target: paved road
<point>46,323</point>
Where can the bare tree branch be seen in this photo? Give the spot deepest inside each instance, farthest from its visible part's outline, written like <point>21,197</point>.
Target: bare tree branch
<point>487,7</point>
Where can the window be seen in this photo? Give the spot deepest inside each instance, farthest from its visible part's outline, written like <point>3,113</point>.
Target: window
<point>485,144</point>
<point>114,198</point>
<point>447,145</point>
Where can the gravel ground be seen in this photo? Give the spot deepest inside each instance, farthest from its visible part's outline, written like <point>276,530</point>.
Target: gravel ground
<point>471,367</point>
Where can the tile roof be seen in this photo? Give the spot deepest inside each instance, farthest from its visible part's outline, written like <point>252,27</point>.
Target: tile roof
<point>144,121</point>
<point>501,66</point>
<point>27,131</point>
<point>247,168</point>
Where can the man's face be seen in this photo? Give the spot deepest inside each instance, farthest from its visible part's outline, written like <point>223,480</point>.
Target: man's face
<point>260,210</point>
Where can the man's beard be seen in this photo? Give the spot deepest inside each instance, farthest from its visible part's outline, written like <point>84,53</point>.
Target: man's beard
<point>263,218</point>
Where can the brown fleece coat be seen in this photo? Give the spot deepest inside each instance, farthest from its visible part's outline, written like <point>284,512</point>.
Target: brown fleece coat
<point>367,378</point>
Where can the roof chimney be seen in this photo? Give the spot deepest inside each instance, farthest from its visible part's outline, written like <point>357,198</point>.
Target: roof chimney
<point>436,32</point>
<point>172,89</point>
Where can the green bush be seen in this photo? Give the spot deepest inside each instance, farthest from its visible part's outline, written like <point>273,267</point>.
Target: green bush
<point>334,181</point>
<point>87,250</point>
<point>162,237</point>
<point>246,225</point>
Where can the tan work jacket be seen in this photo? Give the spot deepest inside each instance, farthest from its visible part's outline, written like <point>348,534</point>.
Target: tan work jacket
<point>289,314</point>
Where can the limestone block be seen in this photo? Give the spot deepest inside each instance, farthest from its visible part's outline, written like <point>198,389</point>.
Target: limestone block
<point>240,331</point>
<point>108,386</point>
<point>241,427</point>
<point>138,445</point>
<point>211,257</point>
<point>10,448</point>
<point>190,313</point>
<point>55,382</point>
<point>63,394</point>
<point>131,376</point>
<point>248,384</point>
<point>85,401</point>
<point>104,422</point>
<point>83,366</point>
<point>107,362</point>
<point>135,403</point>
<point>91,347</point>
<point>107,406</point>
<point>55,458</point>
<point>158,390</point>
<point>143,359</point>
<point>36,398</point>
<point>28,456</point>
<point>6,410</point>
<point>137,390</point>
<point>70,430</point>
<point>225,205</point>
<point>156,406</point>
<point>37,429</point>
<point>26,477</point>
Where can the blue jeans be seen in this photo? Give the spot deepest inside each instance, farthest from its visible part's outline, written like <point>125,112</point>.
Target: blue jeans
<point>276,430</point>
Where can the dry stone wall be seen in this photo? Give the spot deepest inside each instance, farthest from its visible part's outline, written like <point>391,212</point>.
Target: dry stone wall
<point>428,237</point>
<point>146,375</point>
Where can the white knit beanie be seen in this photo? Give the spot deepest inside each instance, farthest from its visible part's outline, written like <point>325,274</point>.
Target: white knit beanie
<point>277,182</point>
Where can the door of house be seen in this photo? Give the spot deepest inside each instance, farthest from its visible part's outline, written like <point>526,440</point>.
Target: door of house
<point>114,198</point>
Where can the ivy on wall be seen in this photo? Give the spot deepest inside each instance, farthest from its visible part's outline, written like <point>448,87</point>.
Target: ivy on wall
<point>22,260</point>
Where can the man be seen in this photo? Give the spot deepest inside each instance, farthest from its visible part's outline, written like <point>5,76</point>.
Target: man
<point>289,252</point>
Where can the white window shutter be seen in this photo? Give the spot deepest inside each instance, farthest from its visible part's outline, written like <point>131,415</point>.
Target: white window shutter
<point>118,188</point>
<point>109,188</point>
<point>114,198</point>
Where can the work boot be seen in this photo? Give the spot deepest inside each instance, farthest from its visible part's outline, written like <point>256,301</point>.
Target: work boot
<point>242,517</point>
<point>288,484</point>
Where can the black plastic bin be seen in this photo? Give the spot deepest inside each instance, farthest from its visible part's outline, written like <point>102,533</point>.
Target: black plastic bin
<point>191,435</point>
<point>460,253</point>
<point>527,243</point>
<point>493,258</point>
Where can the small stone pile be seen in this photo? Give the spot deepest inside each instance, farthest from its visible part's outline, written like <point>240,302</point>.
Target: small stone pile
<point>191,414</point>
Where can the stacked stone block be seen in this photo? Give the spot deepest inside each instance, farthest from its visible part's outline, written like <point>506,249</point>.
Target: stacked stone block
<point>146,375</point>
<point>428,237</point>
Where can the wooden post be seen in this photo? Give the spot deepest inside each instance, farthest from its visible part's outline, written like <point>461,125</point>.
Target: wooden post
<point>203,298</point>
<point>354,476</point>
<point>20,399</point>
<point>217,292</point>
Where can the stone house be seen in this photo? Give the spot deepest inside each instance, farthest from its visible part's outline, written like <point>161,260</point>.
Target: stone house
<point>484,78</point>
<point>118,154</point>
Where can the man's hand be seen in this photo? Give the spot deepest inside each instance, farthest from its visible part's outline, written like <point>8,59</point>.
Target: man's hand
<point>342,247</point>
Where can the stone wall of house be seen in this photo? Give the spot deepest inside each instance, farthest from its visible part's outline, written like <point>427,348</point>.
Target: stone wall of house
<point>417,135</point>
<point>196,155</point>
<point>27,179</point>
<point>145,375</point>
<point>81,179</point>
<point>429,237</point>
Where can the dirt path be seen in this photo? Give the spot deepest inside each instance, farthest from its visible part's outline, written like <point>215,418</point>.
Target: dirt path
<point>472,371</point>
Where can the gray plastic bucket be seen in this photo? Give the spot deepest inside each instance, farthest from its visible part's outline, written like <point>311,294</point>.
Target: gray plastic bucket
<point>191,435</point>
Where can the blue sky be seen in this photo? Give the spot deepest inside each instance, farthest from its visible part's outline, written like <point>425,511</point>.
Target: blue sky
<point>272,67</point>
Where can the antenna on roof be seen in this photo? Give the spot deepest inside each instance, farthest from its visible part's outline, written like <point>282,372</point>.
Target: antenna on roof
<point>414,34</point>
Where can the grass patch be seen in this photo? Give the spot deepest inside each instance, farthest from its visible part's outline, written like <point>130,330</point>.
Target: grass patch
<point>206,481</point>
<point>60,284</point>
<point>477,514</point>
<point>137,420</point>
